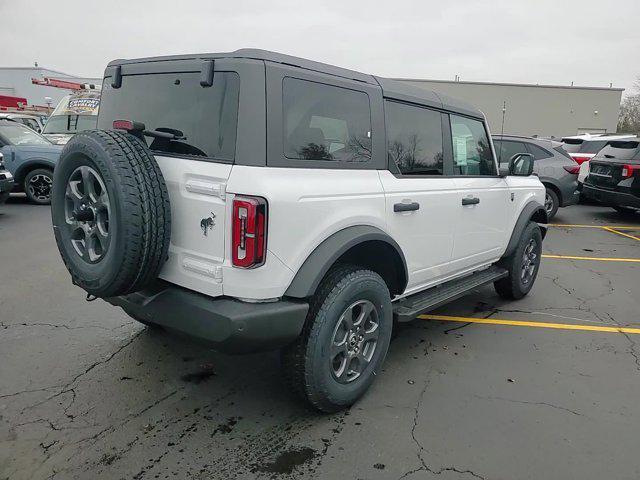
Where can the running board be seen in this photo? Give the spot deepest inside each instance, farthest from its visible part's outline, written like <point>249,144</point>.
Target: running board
<point>410,307</point>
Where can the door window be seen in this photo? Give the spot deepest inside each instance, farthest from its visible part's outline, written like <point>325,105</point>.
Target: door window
<point>414,139</point>
<point>324,122</point>
<point>471,149</point>
<point>538,152</point>
<point>505,149</point>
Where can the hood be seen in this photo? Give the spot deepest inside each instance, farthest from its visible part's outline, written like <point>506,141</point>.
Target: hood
<point>48,151</point>
<point>58,138</point>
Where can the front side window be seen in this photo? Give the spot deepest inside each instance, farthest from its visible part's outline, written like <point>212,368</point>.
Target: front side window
<point>471,149</point>
<point>505,149</point>
<point>324,122</point>
<point>414,139</point>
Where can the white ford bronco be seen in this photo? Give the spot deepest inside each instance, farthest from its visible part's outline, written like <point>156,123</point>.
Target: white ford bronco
<point>260,201</point>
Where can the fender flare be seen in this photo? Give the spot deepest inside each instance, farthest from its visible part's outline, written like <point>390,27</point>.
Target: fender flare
<point>30,164</point>
<point>530,210</point>
<point>318,263</point>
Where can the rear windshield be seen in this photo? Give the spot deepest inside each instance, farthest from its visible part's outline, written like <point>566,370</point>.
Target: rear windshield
<point>592,146</point>
<point>572,145</point>
<point>205,117</point>
<point>620,150</point>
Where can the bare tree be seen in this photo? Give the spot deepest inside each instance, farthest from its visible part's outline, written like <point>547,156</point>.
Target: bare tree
<point>629,119</point>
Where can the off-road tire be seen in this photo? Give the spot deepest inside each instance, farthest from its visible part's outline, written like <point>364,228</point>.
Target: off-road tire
<point>306,363</point>
<point>27,180</point>
<point>512,286</point>
<point>140,217</point>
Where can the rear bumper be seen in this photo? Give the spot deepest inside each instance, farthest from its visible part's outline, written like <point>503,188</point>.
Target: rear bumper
<point>571,197</point>
<point>610,197</point>
<point>227,324</point>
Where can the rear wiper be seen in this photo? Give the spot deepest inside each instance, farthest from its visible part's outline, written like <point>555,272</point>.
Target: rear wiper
<point>139,129</point>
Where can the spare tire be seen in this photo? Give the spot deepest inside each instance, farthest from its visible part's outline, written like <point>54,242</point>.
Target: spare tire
<point>111,213</point>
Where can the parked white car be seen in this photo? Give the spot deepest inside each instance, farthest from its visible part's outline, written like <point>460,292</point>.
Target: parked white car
<point>293,205</point>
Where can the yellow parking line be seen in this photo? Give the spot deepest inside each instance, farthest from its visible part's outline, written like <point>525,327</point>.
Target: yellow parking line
<point>596,259</point>
<point>520,323</point>
<point>613,230</point>
<point>617,227</point>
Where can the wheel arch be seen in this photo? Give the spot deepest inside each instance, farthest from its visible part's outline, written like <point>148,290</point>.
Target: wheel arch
<point>362,245</point>
<point>549,183</point>
<point>26,167</point>
<point>532,211</point>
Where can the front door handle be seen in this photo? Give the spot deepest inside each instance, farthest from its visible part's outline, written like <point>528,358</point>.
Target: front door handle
<point>406,207</point>
<point>470,201</point>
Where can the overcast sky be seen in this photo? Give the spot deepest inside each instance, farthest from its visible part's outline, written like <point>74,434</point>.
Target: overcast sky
<point>543,41</point>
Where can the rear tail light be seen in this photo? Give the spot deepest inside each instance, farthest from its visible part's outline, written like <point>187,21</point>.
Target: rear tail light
<point>249,232</point>
<point>628,170</point>
<point>579,160</point>
<point>574,169</point>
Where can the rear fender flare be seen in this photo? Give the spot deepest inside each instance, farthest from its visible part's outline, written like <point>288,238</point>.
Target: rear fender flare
<point>325,255</point>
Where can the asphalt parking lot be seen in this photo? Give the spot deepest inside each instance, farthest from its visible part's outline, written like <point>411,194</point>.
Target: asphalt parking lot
<point>546,387</point>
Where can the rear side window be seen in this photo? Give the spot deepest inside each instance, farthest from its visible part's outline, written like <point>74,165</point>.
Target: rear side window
<point>325,122</point>
<point>505,149</point>
<point>471,149</point>
<point>538,152</point>
<point>206,117</point>
<point>414,139</point>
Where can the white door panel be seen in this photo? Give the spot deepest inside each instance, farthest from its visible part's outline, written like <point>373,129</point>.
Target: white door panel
<point>425,235</point>
<point>481,229</point>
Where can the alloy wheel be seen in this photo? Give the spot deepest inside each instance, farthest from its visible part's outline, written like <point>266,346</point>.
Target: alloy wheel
<point>39,187</point>
<point>529,261</point>
<point>354,341</point>
<point>87,213</point>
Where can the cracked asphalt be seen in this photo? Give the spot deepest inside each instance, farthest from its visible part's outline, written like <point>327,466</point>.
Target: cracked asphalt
<point>87,393</point>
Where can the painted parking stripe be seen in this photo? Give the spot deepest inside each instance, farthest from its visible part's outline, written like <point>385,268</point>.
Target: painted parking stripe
<point>613,230</point>
<point>595,259</point>
<point>617,227</point>
<point>521,323</point>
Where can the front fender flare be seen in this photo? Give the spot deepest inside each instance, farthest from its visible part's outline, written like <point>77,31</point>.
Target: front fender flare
<point>532,210</point>
<point>318,263</point>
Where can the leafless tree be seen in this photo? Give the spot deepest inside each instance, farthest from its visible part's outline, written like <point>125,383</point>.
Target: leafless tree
<point>629,119</point>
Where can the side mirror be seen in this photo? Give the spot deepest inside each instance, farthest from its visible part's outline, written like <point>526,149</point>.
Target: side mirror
<point>521,165</point>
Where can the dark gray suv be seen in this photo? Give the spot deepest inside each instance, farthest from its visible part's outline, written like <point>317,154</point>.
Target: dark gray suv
<point>557,171</point>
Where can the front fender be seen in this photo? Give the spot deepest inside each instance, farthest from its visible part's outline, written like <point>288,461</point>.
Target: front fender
<point>21,168</point>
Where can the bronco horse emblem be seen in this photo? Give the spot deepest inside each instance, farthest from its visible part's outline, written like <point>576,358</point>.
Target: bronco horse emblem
<point>207,223</point>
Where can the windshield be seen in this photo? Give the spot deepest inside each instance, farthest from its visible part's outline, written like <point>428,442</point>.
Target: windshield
<point>20,135</point>
<point>70,123</point>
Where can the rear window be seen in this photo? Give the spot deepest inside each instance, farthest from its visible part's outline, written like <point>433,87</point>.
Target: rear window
<point>207,117</point>
<point>325,122</point>
<point>592,146</point>
<point>621,150</point>
<point>572,145</point>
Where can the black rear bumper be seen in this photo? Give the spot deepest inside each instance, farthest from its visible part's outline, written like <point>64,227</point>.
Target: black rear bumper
<point>227,324</point>
<point>610,197</point>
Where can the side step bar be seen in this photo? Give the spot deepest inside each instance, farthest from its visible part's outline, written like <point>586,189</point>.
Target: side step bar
<point>410,307</point>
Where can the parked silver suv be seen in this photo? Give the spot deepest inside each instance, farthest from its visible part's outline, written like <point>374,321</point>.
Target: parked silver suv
<point>553,165</point>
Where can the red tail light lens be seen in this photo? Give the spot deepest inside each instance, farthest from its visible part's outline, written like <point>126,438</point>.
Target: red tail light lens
<point>628,170</point>
<point>579,160</point>
<point>574,169</point>
<point>249,232</point>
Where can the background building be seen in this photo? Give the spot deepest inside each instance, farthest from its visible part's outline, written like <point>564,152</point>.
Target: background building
<point>536,109</point>
<point>16,82</point>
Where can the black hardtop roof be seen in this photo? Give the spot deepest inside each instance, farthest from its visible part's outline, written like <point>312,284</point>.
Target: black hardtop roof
<point>390,88</point>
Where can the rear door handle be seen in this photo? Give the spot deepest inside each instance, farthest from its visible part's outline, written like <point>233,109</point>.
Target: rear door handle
<point>406,207</point>
<point>470,201</point>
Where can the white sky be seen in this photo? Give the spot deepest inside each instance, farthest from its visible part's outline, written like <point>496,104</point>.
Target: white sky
<point>543,41</point>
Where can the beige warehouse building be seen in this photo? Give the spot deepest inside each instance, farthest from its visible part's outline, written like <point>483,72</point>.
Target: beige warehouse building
<point>543,110</point>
